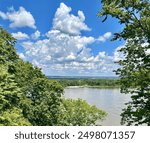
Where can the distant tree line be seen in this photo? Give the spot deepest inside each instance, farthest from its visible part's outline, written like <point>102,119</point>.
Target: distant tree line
<point>90,82</point>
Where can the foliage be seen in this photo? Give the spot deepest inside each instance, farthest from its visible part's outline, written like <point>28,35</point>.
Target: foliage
<point>135,67</point>
<point>8,53</point>
<point>79,113</point>
<point>10,97</point>
<point>13,117</point>
<point>9,92</point>
<point>89,82</point>
<point>46,100</point>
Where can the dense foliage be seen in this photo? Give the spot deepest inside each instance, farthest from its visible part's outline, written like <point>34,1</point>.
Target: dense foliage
<point>98,83</point>
<point>27,97</point>
<point>78,112</point>
<point>134,69</point>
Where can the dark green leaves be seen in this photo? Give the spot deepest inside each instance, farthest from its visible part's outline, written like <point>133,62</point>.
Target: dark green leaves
<point>135,67</point>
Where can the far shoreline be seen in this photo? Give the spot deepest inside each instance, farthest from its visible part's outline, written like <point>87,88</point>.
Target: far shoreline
<point>96,87</point>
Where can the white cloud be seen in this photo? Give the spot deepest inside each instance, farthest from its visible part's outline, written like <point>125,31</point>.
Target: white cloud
<point>104,37</point>
<point>36,35</point>
<point>65,51</point>
<point>58,46</point>
<point>118,55</point>
<point>3,15</point>
<point>20,18</point>
<point>147,52</point>
<point>21,55</point>
<point>69,23</point>
<point>20,36</point>
<point>145,45</point>
<point>71,57</point>
<point>61,52</point>
<point>24,36</point>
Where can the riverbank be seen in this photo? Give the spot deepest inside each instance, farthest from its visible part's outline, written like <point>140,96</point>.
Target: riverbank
<point>89,83</point>
<point>97,87</point>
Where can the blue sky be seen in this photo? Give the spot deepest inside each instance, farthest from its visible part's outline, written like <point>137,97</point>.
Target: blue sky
<point>62,37</point>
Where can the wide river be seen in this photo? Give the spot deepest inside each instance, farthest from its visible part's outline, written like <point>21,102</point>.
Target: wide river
<point>110,100</point>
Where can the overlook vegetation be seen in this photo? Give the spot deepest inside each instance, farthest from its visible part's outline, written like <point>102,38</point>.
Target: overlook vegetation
<point>28,97</point>
<point>134,71</point>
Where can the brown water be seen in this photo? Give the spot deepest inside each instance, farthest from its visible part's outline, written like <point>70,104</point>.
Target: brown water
<point>110,100</point>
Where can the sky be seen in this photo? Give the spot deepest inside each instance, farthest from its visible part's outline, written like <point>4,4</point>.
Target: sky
<point>63,37</point>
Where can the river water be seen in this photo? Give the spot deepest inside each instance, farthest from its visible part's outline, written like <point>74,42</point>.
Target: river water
<point>110,100</point>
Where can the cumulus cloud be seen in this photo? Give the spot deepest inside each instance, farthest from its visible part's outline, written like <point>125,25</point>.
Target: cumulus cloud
<point>60,52</point>
<point>64,50</point>
<point>69,23</point>
<point>59,46</point>
<point>104,37</point>
<point>20,36</point>
<point>24,36</point>
<point>20,18</point>
<point>36,35</point>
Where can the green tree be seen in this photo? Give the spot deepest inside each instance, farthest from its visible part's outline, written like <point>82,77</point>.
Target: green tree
<point>13,117</point>
<point>10,97</point>
<point>9,92</point>
<point>134,69</point>
<point>43,97</point>
<point>46,101</point>
<point>80,113</point>
<point>8,55</point>
<point>25,74</point>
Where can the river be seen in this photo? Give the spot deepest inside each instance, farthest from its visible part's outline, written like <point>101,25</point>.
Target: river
<point>110,100</point>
